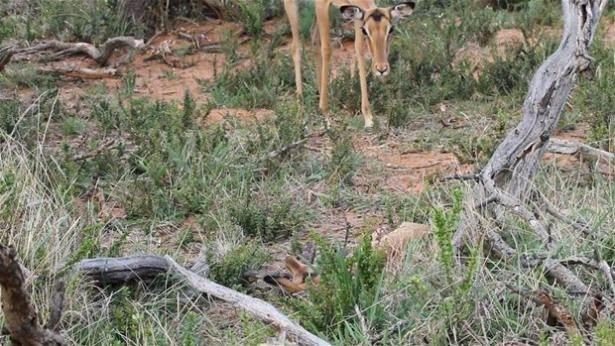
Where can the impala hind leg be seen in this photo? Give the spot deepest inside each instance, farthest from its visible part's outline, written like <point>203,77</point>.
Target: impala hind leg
<point>322,20</point>
<point>292,12</point>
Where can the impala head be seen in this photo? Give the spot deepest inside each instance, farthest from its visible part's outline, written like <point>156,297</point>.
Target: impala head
<point>378,25</point>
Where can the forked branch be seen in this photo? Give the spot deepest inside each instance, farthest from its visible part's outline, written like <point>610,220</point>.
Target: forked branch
<point>20,317</point>
<point>506,180</point>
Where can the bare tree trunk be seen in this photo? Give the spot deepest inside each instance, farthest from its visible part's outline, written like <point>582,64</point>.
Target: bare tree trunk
<point>21,318</point>
<point>509,172</point>
<point>505,183</point>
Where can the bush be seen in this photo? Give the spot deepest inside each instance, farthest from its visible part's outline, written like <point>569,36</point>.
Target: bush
<point>347,284</point>
<point>229,268</point>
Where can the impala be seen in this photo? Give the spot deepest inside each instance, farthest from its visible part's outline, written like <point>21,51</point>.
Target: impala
<point>373,26</point>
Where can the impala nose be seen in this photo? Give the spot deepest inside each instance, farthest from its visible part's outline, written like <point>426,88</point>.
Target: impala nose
<point>382,70</point>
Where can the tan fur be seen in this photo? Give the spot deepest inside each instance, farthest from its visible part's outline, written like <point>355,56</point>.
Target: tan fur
<point>297,280</point>
<point>395,242</point>
<point>378,44</point>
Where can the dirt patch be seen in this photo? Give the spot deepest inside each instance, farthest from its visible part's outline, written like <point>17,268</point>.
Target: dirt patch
<point>578,133</point>
<point>172,64</point>
<point>405,170</point>
<point>167,76</point>
<point>409,171</point>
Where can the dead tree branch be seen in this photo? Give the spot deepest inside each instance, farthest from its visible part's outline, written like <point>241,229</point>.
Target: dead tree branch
<point>257,307</point>
<point>61,49</point>
<point>557,312</point>
<point>20,317</point>
<point>106,145</point>
<point>508,175</point>
<point>566,147</point>
<point>123,269</point>
<point>6,53</point>
<point>80,72</point>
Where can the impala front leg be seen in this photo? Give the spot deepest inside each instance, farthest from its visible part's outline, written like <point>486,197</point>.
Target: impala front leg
<point>292,12</point>
<point>360,57</point>
<point>322,20</point>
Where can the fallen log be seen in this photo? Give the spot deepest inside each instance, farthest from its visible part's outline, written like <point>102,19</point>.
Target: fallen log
<point>567,147</point>
<point>259,308</point>
<point>145,267</point>
<point>601,157</point>
<point>120,270</point>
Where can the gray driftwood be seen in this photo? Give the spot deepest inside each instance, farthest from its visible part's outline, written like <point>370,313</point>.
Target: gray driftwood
<point>259,308</point>
<point>123,269</point>
<point>56,50</point>
<point>505,183</point>
<point>568,147</point>
<point>145,267</point>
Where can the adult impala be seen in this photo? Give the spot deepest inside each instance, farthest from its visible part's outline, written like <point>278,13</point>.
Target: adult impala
<point>372,24</point>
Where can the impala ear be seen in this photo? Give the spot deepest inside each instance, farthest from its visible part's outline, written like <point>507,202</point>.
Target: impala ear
<point>350,13</point>
<point>402,9</point>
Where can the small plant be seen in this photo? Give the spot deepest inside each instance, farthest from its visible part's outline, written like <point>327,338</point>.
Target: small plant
<point>9,115</point>
<point>188,110</point>
<point>269,222</point>
<point>347,284</point>
<point>72,125</point>
<point>252,14</point>
<point>228,268</point>
<point>257,87</point>
<point>444,223</point>
<point>129,81</point>
<point>344,161</point>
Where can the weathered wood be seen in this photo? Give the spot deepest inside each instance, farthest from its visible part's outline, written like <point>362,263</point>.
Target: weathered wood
<point>510,170</point>
<point>567,147</point>
<point>19,314</point>
<point>6,53</point>
<point>506,179</point>
<point>260,309</point>
<point>557,312</point>
<point>62,49</point>
<point>123,269</point>
<point>80,72</point>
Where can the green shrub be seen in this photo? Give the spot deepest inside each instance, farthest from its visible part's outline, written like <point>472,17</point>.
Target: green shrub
<point>257,87</point>
<point>344,160</point>
<point>268,221</point>
<point>228,269</point>
<point>347,283</point>
<point>10,111</point>
<point>444,223</point>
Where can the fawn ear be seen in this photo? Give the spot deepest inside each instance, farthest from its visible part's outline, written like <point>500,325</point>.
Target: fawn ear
<point>350,13</point>
<point>402,9</point>
<point>296,268</point>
